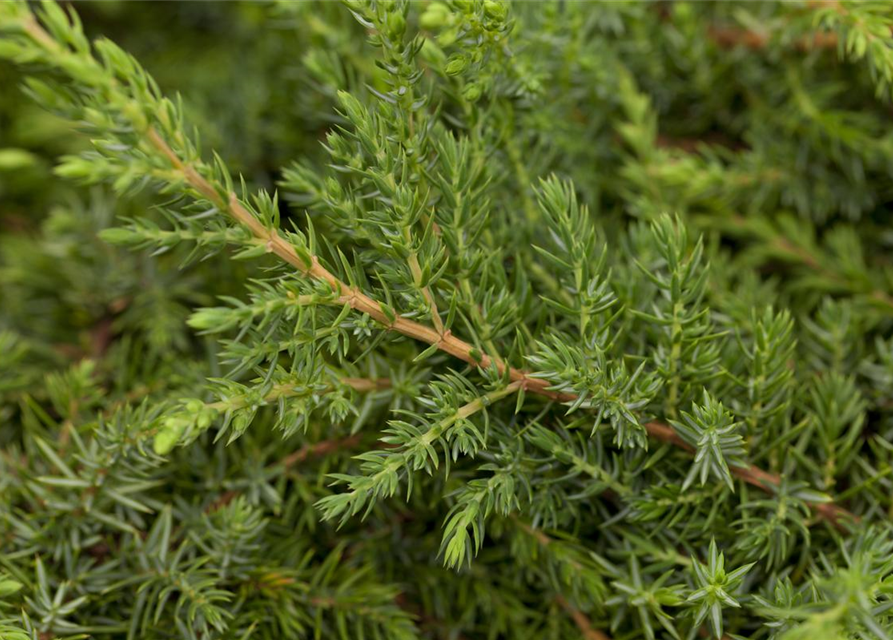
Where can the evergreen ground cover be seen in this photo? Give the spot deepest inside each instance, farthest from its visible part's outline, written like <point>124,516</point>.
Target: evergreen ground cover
<point>458,320</point>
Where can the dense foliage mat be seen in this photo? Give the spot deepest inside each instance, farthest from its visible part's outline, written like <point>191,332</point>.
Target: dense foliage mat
<point>446,320</point>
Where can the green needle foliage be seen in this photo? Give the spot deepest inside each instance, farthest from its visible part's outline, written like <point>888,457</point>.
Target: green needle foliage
<point>451,320</point>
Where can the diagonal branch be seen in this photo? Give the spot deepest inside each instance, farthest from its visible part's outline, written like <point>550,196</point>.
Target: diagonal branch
<point>583,624</point>
<point>446,341</point>
<point>357,300</point>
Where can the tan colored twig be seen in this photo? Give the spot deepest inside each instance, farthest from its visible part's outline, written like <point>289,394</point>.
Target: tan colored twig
<point>357,300</point>
<point>318,449</point>
<point>754,476</point>
<point>814,263</point>
<point>583,624</point>
<point>730,37</point>
<point>446,342</point>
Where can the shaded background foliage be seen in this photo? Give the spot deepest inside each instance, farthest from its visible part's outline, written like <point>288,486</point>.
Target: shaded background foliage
<point>756,324</point>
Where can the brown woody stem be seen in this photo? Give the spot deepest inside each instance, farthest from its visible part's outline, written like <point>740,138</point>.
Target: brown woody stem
<point>583,624</point>
<point>445,341</point>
